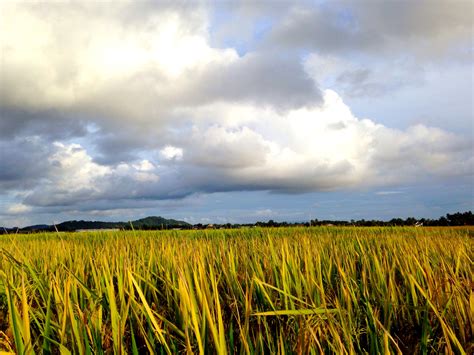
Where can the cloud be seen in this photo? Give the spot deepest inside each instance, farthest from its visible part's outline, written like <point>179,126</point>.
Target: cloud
<point>171,153</point>
<point>355,79</point>
<point>130,69</point>
<point>144,107</point>
<point>70,177</point>
<point>425,29</point>
<point>17,208</point>
<point>21,162</point>
<point>54,124</point>
<point>389,192</point>
<point>307,149</point>
<point>320,148</point>
<point>266,78</point>
<point>66,67</point>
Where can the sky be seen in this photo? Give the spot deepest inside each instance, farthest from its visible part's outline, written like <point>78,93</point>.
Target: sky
<point>235,112</point>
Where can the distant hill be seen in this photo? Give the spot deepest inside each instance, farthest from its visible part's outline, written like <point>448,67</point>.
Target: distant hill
<point>70,226</point>
<point>36,227</point>
<point>152,222</point>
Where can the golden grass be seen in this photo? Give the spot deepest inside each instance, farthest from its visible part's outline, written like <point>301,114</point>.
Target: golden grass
<point>295,290</point>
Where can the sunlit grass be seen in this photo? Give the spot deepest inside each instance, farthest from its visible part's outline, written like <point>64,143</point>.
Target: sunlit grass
<point>296,290</point>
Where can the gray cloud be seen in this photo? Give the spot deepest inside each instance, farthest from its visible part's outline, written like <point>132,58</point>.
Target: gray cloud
<point>423,28</point>
<point>22,163</point>
<point>267,78</point>
<point>17,122</point>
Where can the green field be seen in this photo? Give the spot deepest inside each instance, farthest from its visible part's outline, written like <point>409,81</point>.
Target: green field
<point>281,290</point>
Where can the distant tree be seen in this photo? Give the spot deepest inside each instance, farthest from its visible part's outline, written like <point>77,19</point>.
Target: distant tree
<point>443,221</point>
<point>460,219</point>
<point>396,222</point>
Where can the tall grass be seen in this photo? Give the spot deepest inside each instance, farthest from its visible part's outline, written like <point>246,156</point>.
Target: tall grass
<point>307,290</point>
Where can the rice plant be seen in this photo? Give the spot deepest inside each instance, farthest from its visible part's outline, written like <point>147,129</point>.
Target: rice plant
<point>286,290</point>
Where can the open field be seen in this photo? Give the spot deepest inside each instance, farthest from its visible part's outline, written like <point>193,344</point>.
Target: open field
<point>294,290</point>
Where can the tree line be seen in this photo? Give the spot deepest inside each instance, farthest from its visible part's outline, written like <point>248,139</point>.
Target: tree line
<point>455,219</point>
<point>160,223</point>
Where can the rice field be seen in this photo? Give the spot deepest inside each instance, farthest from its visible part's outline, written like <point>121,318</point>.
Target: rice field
<point>281,290</point>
